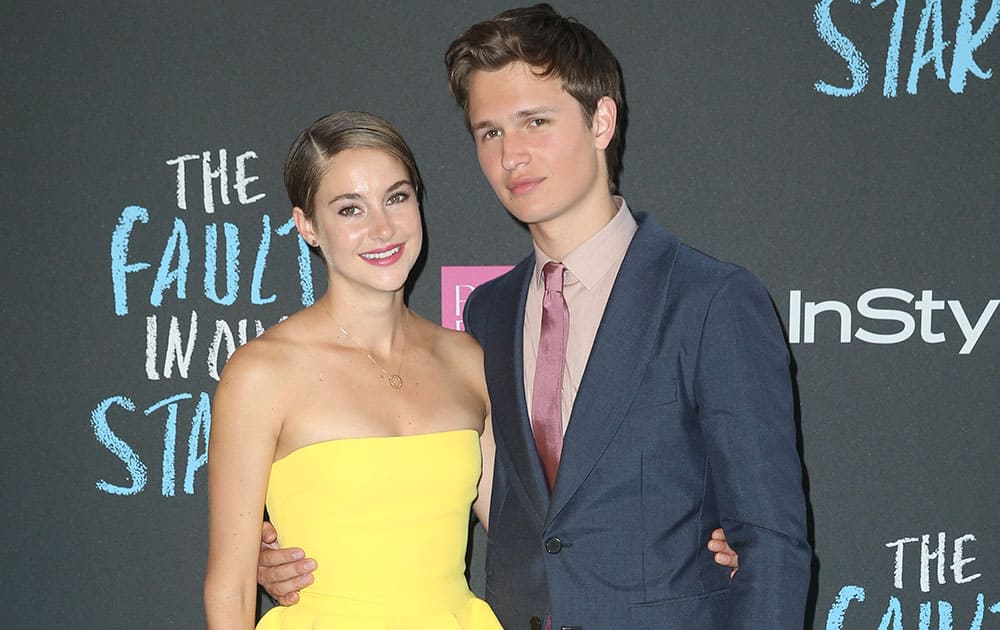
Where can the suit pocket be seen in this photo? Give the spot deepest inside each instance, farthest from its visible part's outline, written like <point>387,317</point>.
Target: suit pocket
<point>658,387</point>
<point>705,612</point>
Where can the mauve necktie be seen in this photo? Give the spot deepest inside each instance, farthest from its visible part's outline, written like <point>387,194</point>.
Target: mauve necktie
<point>546,399</point>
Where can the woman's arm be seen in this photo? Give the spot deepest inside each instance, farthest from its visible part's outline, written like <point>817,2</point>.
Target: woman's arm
<point>481,506</point>
<point>246,422</point>
<point>471,365</point>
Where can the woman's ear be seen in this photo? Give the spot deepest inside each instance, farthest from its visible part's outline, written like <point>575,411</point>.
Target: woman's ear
<point>305,226</point>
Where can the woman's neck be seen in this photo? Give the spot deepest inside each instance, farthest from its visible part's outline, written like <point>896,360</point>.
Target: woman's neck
<point>377,324</point>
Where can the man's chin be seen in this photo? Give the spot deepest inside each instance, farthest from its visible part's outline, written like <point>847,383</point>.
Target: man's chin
<point>527,212</point>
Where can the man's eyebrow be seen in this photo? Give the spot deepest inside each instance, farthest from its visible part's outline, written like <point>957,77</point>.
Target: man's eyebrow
<point>534,111</point>
<point>482,124</point>
<point>518,115</point>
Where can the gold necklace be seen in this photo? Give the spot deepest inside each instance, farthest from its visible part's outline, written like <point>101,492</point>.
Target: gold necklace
<point>395,380</point>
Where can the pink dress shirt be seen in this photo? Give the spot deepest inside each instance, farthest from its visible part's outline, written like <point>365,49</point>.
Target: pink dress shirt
<point>591,270</point>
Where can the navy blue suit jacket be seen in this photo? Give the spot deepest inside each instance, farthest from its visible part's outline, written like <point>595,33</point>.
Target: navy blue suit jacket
<point>683,422</point>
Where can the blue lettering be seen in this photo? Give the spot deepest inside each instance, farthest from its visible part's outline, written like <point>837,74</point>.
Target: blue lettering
<point>201,427</point>
<point>169,440</point>
<point>893,614</point>
<point>966,43</point>
<point>924,618</point>
<point>175,262</point>
<point>305,264</point>
<point>849,593</point>
<point>177,245</point>
<point>197,443</point>
<point>119,255</point>
<point>261,263</point>
<point>892,619</point>
<point>232,263</point>
<point>844,47</point>
<point>124,452</point>
<point>892,54</point>
<point>944,615</point>
<point>977,619</point>
<point>930,16</point>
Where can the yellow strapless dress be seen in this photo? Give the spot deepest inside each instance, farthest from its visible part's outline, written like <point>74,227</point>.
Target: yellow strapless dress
<point>387,520</point>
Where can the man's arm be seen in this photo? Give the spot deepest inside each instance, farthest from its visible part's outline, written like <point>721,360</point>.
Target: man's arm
<point>282,572</point>
<point>746,407</point>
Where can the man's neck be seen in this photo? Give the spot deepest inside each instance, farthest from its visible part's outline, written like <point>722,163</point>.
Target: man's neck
<point>558,237</point>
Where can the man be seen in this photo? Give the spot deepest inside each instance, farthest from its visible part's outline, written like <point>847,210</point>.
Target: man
<point>641,391</point>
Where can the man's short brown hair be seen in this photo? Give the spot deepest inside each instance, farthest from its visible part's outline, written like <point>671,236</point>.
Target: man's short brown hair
<point>555,46</point>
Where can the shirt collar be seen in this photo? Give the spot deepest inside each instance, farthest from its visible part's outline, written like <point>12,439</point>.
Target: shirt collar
<point>593,258</point>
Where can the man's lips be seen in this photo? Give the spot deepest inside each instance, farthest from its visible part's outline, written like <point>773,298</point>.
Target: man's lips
<point>384,256</point>
<point>523,185</point>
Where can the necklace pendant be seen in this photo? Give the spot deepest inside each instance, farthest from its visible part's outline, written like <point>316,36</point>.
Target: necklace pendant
<point>395,380</point>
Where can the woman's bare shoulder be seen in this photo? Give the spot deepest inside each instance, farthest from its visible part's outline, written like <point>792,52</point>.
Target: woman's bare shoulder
<point>279,349</point>
<point>459,354</point>
<point>451,345</point>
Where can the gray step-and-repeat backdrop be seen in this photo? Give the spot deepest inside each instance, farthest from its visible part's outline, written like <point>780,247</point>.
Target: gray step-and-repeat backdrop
<point>846,151</point>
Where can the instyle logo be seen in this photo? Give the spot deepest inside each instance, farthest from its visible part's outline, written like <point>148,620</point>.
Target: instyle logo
<point>900,308</point>
<point>456,285</point>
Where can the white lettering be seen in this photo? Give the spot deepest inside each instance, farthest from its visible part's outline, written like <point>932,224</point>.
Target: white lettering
<point>885,314</point>
<point>926,305</point>
<point>175,352</point>
<point>972,333</point>
<point>874,306</point>
<point>958,560</point>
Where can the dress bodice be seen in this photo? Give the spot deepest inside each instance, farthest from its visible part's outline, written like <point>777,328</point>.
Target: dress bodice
<point>387,520</point>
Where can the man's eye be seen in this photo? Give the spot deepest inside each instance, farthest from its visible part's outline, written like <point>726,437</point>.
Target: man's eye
<point>538,122</point>
<point>489,134</point>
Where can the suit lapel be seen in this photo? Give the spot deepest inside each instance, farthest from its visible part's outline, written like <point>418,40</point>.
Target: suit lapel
<point>618,359</point>
<point>505,378</point>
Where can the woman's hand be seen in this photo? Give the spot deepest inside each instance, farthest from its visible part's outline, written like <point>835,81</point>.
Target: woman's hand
<point>724,554</point>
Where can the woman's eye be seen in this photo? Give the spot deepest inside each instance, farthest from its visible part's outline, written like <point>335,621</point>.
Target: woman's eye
<point>399,197</point>
<point>349,211</point>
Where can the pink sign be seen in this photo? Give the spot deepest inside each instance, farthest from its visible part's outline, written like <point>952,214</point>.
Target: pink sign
<point>456,285</point>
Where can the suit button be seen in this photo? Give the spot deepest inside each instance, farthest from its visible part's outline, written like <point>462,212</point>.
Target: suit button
<point>553,545</point>
<point>536,623</point>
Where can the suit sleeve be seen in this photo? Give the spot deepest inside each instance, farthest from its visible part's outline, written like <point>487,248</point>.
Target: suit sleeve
<point>746,411</point>
<point>472,315</point>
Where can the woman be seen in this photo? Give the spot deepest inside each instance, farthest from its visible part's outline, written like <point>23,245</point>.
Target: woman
<point>360,421</point>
